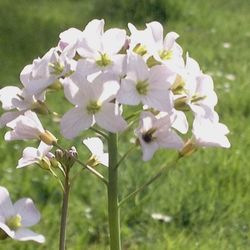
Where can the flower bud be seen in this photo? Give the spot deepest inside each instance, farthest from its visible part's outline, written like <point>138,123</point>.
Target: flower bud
<point>71,155</point>
<point>53,161</point>
<point>40,108</point>
<point>48,138</point>
<point>56,85</point>
<point>44,163</point>
<point>181,104</point>
<point>59,155</point>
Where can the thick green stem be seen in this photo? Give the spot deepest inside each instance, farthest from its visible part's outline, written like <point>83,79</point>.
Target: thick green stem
<point>62,242</point>
<point>113,209</point>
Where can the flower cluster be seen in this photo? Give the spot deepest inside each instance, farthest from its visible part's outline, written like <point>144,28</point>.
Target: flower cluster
<point>102,71</point>
<point>115,81</point>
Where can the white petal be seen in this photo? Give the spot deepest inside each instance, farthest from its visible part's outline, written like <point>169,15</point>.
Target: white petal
<point>43,149</point>
<point>75,121</point>
<point>110,119</point>
<point>8,117</point>
<point>24,234</point>
<point>70,35</point>
<point>127,93</point>
<point>160,99</point>
<point>148,150</point>
<point>137,68</point>
<point>170,40</point>
<point>94,144</point>
<point>113,40</point>
<point>180,122</point>
<point>169,139</point>
<point>94,27</point>
<point>105,87</point>
<point>157,31</point>
<point>7,230</point>
<point>6,96</point>
<point>29,157</point>
<point>104,159</point>
<point>28,212</point>
<point>6,207</point>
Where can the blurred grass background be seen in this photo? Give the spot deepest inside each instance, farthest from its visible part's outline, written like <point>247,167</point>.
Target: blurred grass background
<point>207,195</point>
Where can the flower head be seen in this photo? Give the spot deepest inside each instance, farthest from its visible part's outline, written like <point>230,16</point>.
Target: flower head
<point>93,104</point>
<point>16,218</point>
<point>35,155</point>
<point>28,126</point>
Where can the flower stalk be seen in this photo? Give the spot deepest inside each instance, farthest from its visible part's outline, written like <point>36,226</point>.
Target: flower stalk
<point>62,240</point>
<point>113,208</point>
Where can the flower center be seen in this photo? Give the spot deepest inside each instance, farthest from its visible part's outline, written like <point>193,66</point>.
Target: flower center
<point>149,135</point>
<point>14,222</point>
<point>140,49</point>
<point>178,86</point>
<point>165,55</point>
<point>142,87</point>
<point>104,60</point>
<point>93,107</point>
<point>56,68</point>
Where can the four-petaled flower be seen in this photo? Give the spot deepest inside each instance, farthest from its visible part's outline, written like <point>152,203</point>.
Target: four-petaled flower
<point>16,218</point>
<point>93,104</point>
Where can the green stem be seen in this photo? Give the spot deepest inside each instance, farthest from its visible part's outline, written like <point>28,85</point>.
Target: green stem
<point>152,179</point>
<point>113,209</point>
<point>62,242</point>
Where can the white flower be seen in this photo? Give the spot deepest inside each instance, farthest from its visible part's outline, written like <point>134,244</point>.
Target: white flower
<point>36,77</point>
<point>210,134</point>
<point>34,155</point>
<point>147,86</point>
<point>17,101</point>
<point>150,42</point>
<point>28,126</point>
<point>100,48</point>
<point>95,146</point>
<point>195,90</point>
<point>16,218</point>
<point>156,133</point>
<point>92,105</point>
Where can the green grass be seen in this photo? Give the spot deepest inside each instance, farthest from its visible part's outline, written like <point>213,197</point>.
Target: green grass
<point>207,195</point>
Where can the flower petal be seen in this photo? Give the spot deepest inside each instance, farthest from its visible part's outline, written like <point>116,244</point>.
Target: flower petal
<point>28,212</point>
<point>113,40</point>
<point>6,96</point>
<point>6,207</point>
<point>75,121</point>
<point>29,157</point>
<point>24,234</point>
<point>127,93</point>
<point>110,119</point>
